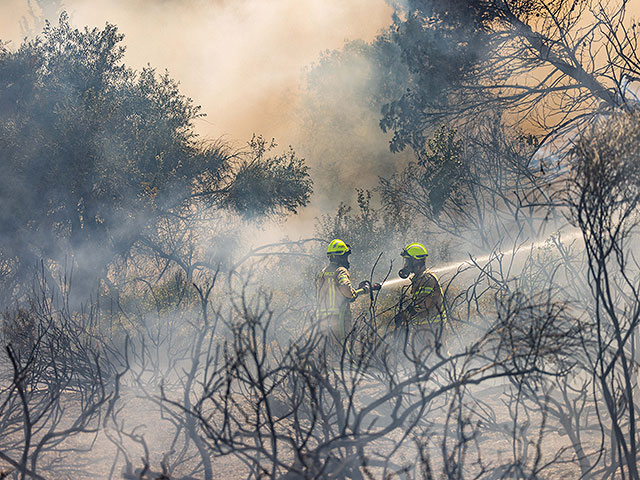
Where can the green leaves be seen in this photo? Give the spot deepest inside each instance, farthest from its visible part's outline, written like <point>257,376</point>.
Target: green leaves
<point>440,167</point>
<point>437,177</point>
<point>269,185</point>
<point>96,155</point>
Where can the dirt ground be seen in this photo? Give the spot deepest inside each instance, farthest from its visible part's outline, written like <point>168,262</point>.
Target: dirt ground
<point>94,456</point>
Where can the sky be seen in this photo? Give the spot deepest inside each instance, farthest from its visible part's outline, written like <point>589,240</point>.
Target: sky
<point>241,60</point>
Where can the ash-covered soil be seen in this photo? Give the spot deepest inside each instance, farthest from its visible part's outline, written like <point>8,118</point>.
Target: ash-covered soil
<point>148,441</point>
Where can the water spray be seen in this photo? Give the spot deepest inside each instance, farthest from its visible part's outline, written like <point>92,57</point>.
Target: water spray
<point>574,235</point>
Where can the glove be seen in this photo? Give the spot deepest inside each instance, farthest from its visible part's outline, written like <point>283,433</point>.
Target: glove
<point>365,285</point>
<point>376,286</point>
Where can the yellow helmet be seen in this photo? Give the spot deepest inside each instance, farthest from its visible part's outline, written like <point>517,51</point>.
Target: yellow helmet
<point>415,250</point>
<point>337,248</point>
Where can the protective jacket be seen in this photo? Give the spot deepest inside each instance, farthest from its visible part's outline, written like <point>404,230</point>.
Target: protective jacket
<point>423,303</point>
<point>334,293</point>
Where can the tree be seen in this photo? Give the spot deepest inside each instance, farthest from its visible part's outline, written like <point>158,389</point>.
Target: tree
<point>475,184</point>
<point>96,155</point>
<point>551,64</point>
<point>604,198</point>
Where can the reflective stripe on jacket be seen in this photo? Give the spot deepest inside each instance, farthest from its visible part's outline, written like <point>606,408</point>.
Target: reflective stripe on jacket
<point>426,302</point>
<point>334,291</point>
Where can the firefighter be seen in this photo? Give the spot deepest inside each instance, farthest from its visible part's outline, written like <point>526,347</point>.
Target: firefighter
<point>334,291</point>
<point>422,302</point>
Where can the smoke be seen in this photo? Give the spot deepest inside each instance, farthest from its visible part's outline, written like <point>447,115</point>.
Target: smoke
<point>11,12</point>
<point>241,60</point>
<point>339,116</point>
<point>256,67</point>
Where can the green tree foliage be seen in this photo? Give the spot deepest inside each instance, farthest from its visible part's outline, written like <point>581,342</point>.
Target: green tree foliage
<point>475,184</point>
<point>268,184</point>
<point>441,42</point>
<point>441,169</point>
<point>96,155</point>
<point>435,179</point>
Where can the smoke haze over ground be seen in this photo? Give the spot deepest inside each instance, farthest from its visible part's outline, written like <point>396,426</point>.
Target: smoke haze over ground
<point>156,291</point>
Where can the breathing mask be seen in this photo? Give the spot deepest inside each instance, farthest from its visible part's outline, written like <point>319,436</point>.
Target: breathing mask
<point>405,271</point>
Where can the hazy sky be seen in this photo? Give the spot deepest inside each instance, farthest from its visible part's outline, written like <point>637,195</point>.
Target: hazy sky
<point>241,60</point>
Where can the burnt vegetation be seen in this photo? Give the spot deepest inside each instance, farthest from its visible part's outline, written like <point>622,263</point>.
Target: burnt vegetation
<point>143,336</point>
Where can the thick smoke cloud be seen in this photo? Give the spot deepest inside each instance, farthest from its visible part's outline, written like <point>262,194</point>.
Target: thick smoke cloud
<point>241,60</point>
<point>246,63</point>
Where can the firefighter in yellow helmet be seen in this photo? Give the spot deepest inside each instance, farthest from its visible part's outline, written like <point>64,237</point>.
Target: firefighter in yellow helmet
<point>334,291</point>
<point>422,302</point>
